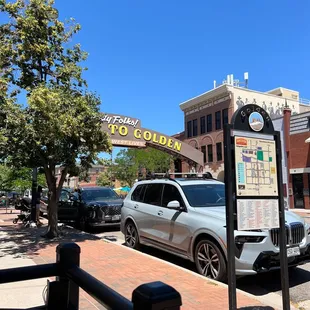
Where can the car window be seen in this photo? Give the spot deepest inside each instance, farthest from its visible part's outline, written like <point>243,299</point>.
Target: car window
<point>45,193</point>
<point>205,195</point>
<point>99,194</point>
<point>153,194</point>
<point>171,193</point>
<point>64,196</point>
<point>138,193</point>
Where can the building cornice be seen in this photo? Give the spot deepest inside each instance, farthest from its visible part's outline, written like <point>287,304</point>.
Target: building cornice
<point>205,98</point>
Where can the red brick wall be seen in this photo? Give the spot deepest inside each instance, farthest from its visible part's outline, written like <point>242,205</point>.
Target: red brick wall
<point>299,151</point>
<point>299,157</point>
<point>211,137</point>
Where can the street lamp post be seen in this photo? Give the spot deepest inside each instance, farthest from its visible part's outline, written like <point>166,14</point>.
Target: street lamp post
<point>34,193</point>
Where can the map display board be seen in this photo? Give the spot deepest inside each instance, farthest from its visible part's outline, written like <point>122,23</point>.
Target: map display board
<point>256,169</point>
<point>257,214</point>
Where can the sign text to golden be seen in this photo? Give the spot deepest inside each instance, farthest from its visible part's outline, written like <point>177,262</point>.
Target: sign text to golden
<point>147,136</point>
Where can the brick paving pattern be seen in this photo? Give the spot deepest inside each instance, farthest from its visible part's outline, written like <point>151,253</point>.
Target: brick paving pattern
<point>124,269</point>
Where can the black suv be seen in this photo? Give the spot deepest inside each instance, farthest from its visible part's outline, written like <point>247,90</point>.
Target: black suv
<point>90,207</point>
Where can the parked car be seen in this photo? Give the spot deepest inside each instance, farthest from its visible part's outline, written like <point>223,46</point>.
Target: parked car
<point>90,207</point>
<point>186,217</point>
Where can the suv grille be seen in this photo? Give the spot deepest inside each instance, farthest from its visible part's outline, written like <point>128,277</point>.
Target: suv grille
<point>295,232</point>
<point>111,210</point>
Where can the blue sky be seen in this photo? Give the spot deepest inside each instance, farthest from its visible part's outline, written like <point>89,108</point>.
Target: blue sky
<point>147,56</point>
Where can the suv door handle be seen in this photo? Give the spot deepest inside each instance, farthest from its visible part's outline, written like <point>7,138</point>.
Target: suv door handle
<point>160,213</point>
<point>136,206</point>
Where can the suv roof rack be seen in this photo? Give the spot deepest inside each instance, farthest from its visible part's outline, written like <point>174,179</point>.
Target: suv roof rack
<point>179,175</point>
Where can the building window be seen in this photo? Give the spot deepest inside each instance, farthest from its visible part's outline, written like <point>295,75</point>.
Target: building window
<point>189,129</point>
<point>204,151</point>
<point>219,154</point>
<point>202,125</point>
<point>218,120</point>
<point>195,128</point>
<point>209,122</point>
<point>210,153</point>
<point>225,116</point>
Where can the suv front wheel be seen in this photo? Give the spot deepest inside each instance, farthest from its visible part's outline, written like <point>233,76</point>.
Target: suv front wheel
<point>210,261</point>
<point>131,235</point>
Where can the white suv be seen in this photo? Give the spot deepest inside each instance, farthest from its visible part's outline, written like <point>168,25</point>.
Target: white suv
<point>186,217</point>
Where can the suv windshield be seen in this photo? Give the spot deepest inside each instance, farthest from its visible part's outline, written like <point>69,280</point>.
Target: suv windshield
<point>99,194</point>
<point>205,195</point>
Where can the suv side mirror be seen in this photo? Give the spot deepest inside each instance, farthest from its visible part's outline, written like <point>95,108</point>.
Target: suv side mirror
<point>174,204</point>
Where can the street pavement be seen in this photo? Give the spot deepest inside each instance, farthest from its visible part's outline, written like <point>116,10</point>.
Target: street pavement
<point>22,295</point>
<point>267,284</point>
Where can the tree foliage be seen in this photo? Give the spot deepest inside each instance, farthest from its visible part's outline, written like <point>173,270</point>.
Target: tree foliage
<point>35,47</point>
<point>61,124</point>
<point>130,162</point>
<point>5,180</point>
<point>18,179</point>
<point>104,179</point>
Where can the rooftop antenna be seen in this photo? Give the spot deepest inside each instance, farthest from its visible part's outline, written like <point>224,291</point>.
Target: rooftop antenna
<point>214,84</point>
<point>246,79</point>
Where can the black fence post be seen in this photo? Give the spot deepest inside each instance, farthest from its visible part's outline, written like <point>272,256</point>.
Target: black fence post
<point>68,256</point>
<point>156,296</point>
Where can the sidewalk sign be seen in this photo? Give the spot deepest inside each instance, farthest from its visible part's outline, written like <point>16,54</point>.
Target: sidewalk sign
<point>253,185</point>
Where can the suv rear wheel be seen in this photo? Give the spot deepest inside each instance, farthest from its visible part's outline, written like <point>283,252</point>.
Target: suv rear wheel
<point>210,261</point>
<point>131,235</point>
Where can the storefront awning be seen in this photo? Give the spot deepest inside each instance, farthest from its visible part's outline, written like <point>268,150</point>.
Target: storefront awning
<point>307,140</point>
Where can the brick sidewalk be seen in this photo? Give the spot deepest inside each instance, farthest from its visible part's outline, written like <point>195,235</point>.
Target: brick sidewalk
<point>124,269</point>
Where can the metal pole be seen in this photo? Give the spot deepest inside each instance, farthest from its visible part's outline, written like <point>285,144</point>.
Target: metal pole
<point>111,169</point>
<point>68,256</point>
<point>34,193</point>
<point>283,247</point>
<point>230,218</point>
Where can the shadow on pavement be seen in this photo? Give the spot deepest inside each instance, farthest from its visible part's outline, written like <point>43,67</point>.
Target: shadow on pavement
<point>271,281</point>
<point>168,257</point>
<point>258,285</point>
<point>19,241</point>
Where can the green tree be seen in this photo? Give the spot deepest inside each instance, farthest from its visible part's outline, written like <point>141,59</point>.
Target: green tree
<point>18,179</point>
<point>61,124</point>
<point>58,128</point>
<point>124,167</point>
<point>104,179</point>
<point>129,162</point>
<point>5,180</point>
<point>21,179</point>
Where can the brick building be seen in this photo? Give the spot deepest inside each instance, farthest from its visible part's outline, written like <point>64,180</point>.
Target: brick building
<point>297,143</point>
<point>93,172</point>
<point>206,114</point>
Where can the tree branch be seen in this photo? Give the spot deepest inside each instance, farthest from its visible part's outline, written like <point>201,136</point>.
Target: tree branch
<point>49,176</point>
<point>61,181</point>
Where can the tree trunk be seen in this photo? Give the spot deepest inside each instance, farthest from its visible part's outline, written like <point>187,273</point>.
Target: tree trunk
<point>52,229</point>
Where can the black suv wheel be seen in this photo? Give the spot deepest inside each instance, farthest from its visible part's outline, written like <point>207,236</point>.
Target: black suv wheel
<point>131,235</point>
<point>210,261</point>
